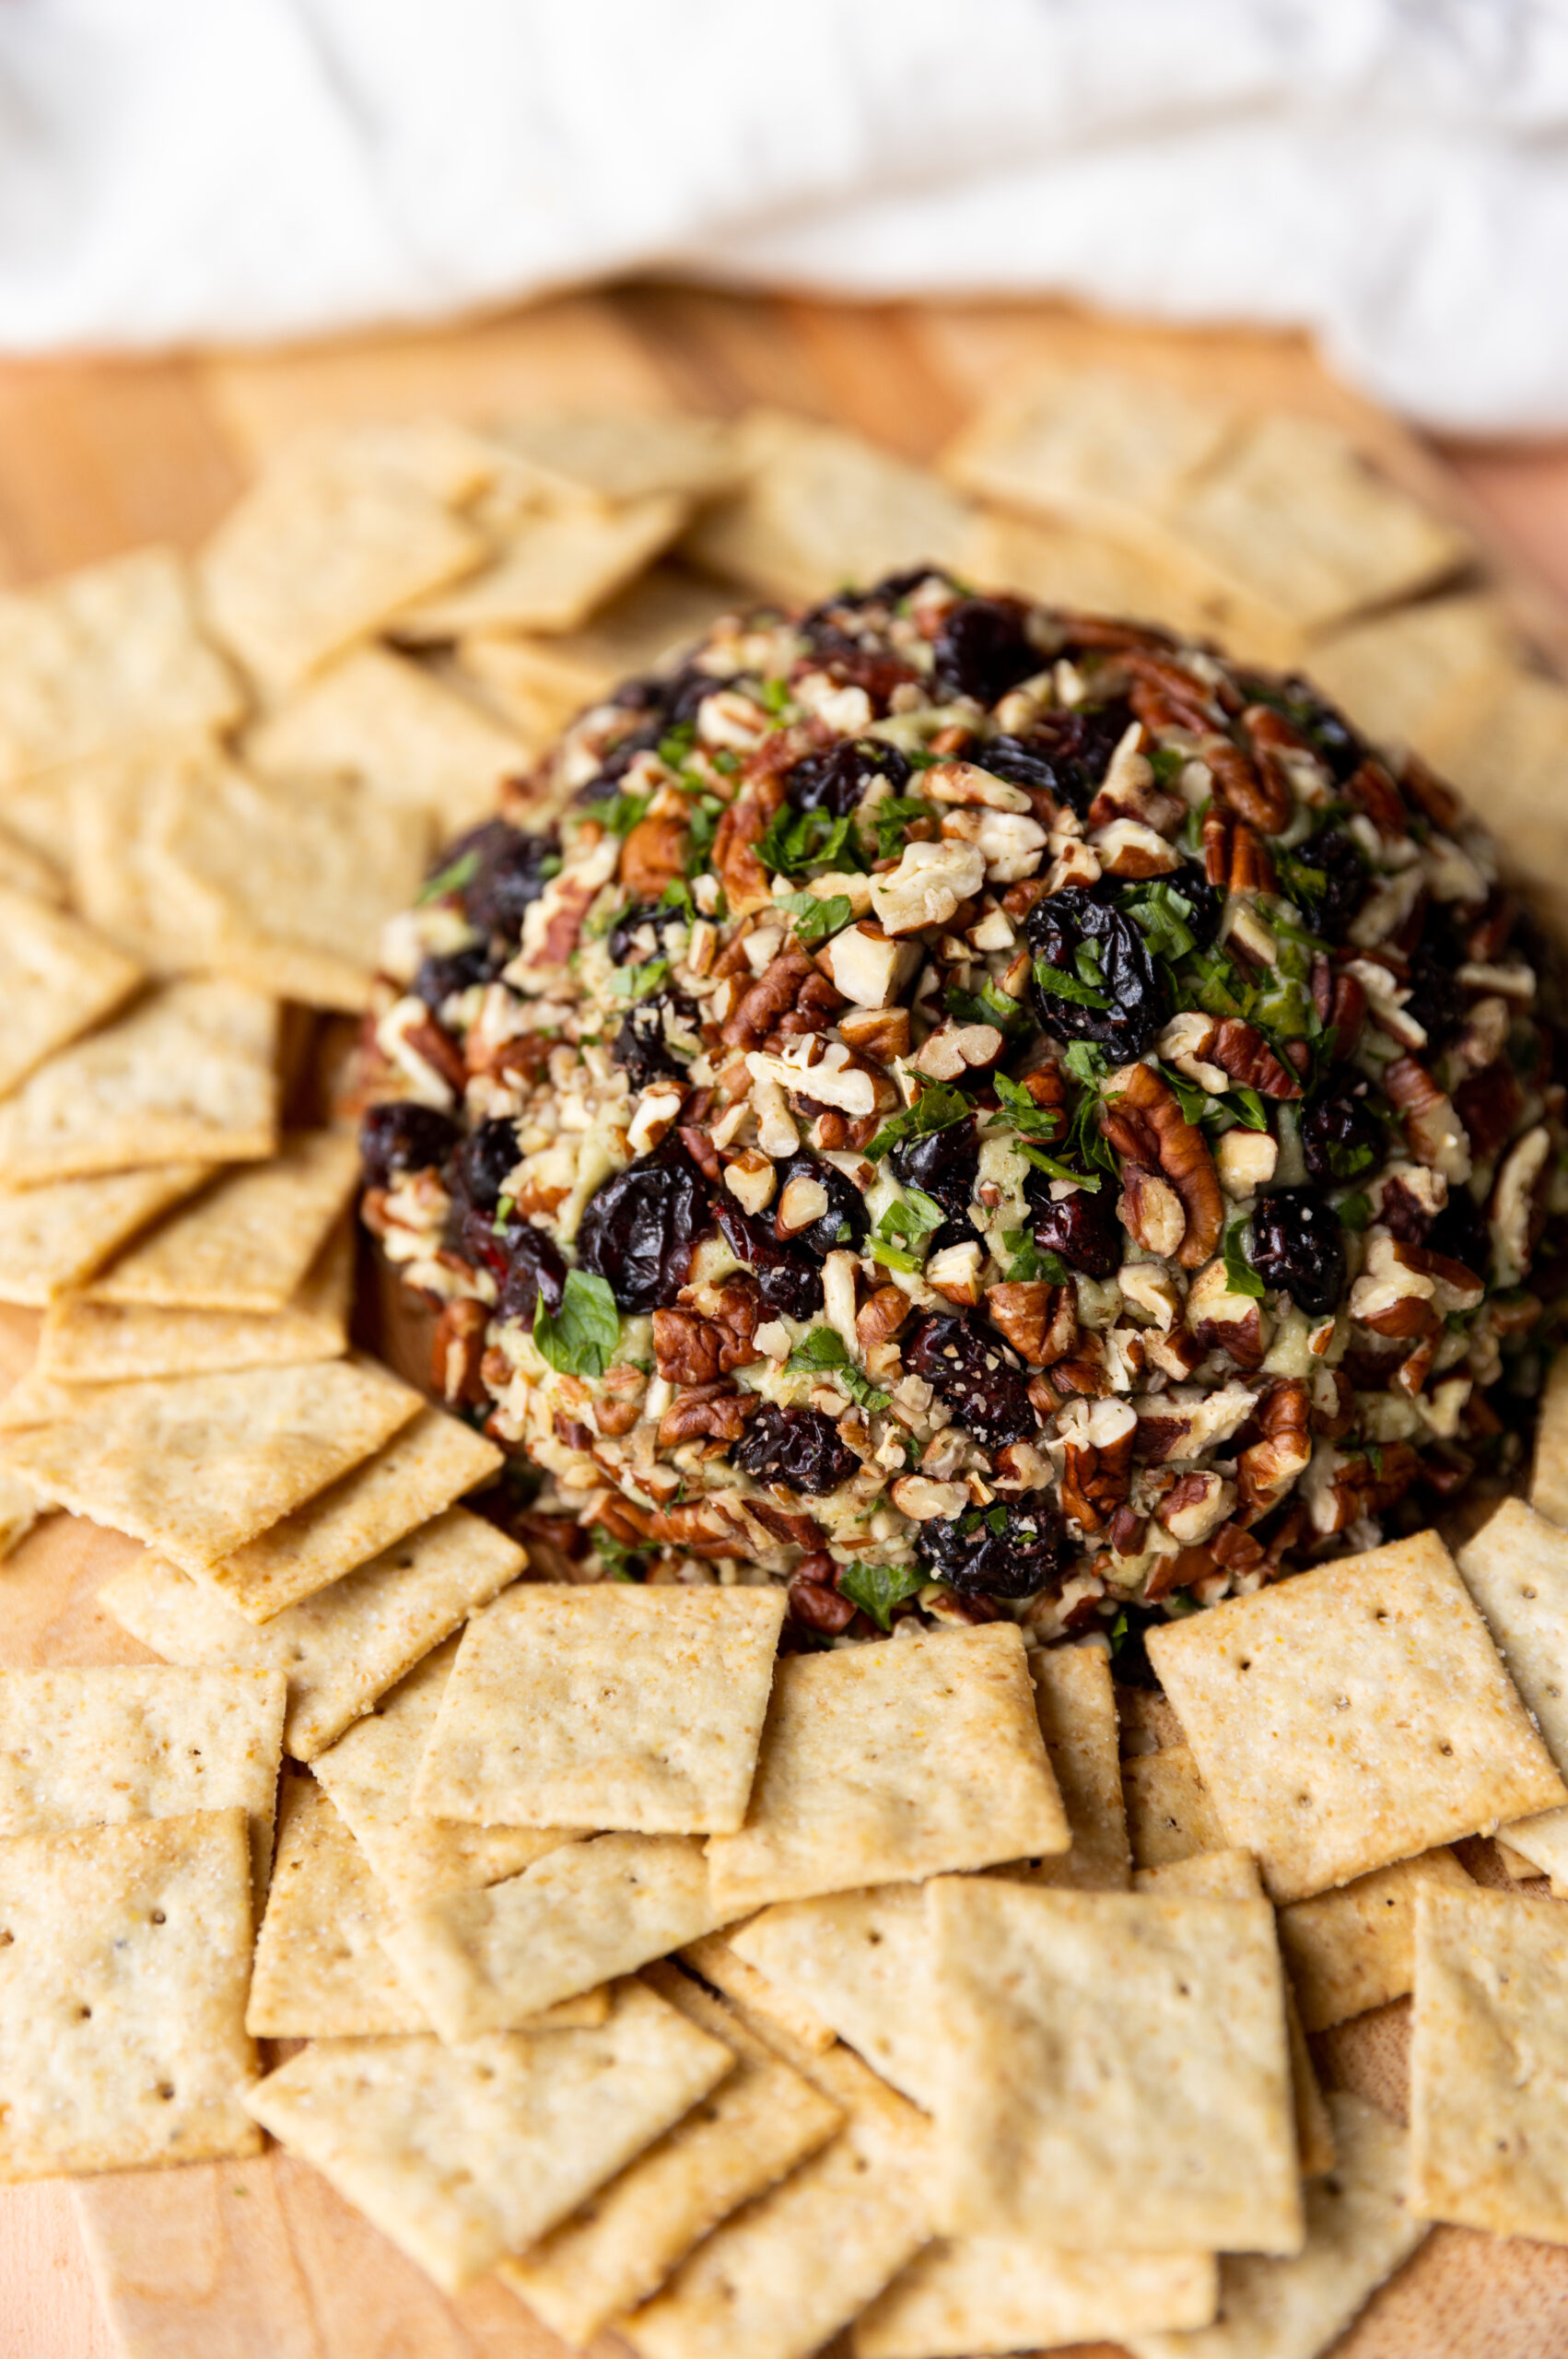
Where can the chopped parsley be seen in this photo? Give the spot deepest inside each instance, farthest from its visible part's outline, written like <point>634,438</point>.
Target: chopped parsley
<point>1240,1275</point>
<point>795,842</point>
<point>1061,985</point>
<point>623,813</point>
<point>1030,1260</point>
<point>824,1353</point>
<point>635,982</point>
<point>1161,911</point>
<point>676,744</point>
<point>877,1589</point>
<point>891,819</point>
<point>815,917</point>
<point>1355,1213</point>
<point>450,879</point>
<point>911,1219</point>
<point>989,1004</point>
<point>938,1107</point>
<point>585,1333</point>
<point>621,1562</point>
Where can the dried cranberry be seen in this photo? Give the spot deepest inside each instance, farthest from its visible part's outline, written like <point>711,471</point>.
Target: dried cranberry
<point>1130,1666</point>
<point>1067,751</point>
<point>976,1376</point>
<point>440,976</point>
<point>789,1281</point>
<point>1204,906</point>
<point>637,1231</point>
<point>641,1048</point>
<point>1080,1227</point>
<point>1008,1550</point>
<point>1326,732</point>
<point>1331,855</point>
<point>486,1162</point>
<point>845,1221</point>
<point>1436,1001</point>
<point>534,1266</point>
<point>1131,1000</point>
<point>1342,1138</point>
<point>983,648</point>
<point>944,1166</point>
<point>621,942</point>
<point>402,1136</point>
<point>513,870</point>
<point>1297,1246</point>
<point>1460,1231</point>
<point>799,1448</point>
<point>834,782</point>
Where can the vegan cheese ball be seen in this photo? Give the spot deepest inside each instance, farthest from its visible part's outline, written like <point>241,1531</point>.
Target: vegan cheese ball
<point>972,1110</point>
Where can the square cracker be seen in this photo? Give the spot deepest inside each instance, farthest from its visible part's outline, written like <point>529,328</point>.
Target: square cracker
<point>426,1466</point>
<point>113,1343</point>
<point>551,570</point>
<point>378,718</point>
<point>320,553</point>
<point>1390,673</point>
<point>1354,1948</point>
<point>1488,2060</point>
<point>883,1765</point>
<point>123,1982</point>
<point>760,2121</point>
<point>563,671</point>
<point>819,508</point>
<point>1233,1875</point>
<point>1163,2123</point>
<point>196,1466</point>
<point>1548,1476</point>
<point>55,1239</point>
<point>245,1243</point>
<point>321,1971</point>
<point>779,2277</point>
<point>1075,1698</point>
<point>1515,1568</point>
<point>713,1957</point>
<point>1353,1716</point>
<point>486,1960</point>
<point>1170,1813</point>
<point>460,2158</point>
<point>370,1773</point>
<point>1358,2231</point>
<point>109,656</point>
<point>57,977</point>
<point>344,1646</point>
<point>186,1075</point>
<point>638,1710</point>
<point>852,1959</point>
<point>968,2295</point>
<point>122,879</point>
<point>619,454</point>
<point>1291,512</point>
<point>80,1748</point>
<point>297,877</point>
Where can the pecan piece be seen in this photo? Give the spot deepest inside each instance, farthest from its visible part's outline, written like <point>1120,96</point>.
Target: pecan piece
<point>790,994</point>
<point>653,855</point>
<point>1150,1210</point>
<point>742,876</point>
<point>1433,1130</point>
<point>794,1530</point>
<point>1264,800</point>
<point>815,1606</point>
<point>1183,1156</point>
<point>1098,1462</point>
<point>1340,1001</point>
<point>1241,1050</point>
<point>1266,1470</point>
<point>1373,787</point>
<point>1039,1320</point>
<point>456,1352</point>
<point>435,1044</point>
<point>692,1349</point>
<point>881,1315</point>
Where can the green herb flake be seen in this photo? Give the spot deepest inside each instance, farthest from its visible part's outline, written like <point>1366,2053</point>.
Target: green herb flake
<point>585,1333</point>
<point>1059,984</point>
<point>938,1107</point>
<point>1355,1213</point>
<point>796,842</point>
<point>815,917</point>
<point>877,1589</point>
<point>1087,1062</point>
<point>1163,913</point>
<point>891,819</point>
<point>621,1562</point>
<point>505,1207</point>
<point>1240,1275</point>
<point>457,875</point>
<point>1030,1260</point>
<point>989,1004</point>
<point>635,982</point>
<point>824,1353</point>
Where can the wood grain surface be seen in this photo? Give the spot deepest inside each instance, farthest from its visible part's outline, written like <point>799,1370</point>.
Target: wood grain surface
<point>260,2260</point>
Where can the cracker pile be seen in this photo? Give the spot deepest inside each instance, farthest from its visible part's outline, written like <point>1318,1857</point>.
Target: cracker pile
<point>936,1991</point>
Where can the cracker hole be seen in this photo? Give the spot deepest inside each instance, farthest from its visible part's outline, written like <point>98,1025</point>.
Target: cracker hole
<point>1304,1801</point>
<point>1381,1614</point>
<point>874,1939</point>
<point>1526,1592</point>
<point>1246,1663</point>
<point>84,2014</point>
<point>158,1917</point>
<point>6,1937</point>
<point>166,2091</point>
<point>1446,1750</point>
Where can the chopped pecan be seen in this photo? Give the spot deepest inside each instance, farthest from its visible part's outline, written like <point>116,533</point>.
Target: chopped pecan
<point>879,1032</point>
<point>1429,795</point>
<point>1039,1320</point>
<point>1194,1504</point>
<point>1188,1565</point>
<point>815,1606</point>
<point>572,1431</point>
<point>790,985</point>
<point>794,1530</point>
<point>1083,1371</point>
<point>881,1315</point>
<point>1340,1001</point>
<point>691,1349</point>
<point>1373,787</point>
<point>1241,1050</point>
<point>1263,799</point>
<point>435,1044</point>
<point>565,902</point>
<point>1098,1462</point>
<point>1489,1104</point>
<point>1272,741</point>
<point>701,1149</point>
<point>1150,1210</point>
<point>1224,1321</point>
<point>620,1401</point>
<point>1165,695</point>
<point>653,855</point>
<point>701,1527</point>
<point>1236,1549</point>
<point>456,1351</point>
<point>1182,1153</point>
<point>1433,1130</point>
<point>623,1520</point>
<point>1518,1205</point>
<point>1266,1470</point>
<point>1333,1403</point>
<point>1128,1530</point>
<point>740,872</point>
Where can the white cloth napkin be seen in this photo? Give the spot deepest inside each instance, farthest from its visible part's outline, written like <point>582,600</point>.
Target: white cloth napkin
<point>1391,173</point>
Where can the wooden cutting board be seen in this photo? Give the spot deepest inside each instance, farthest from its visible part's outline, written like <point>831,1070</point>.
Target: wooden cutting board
<point>260,2260</point>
